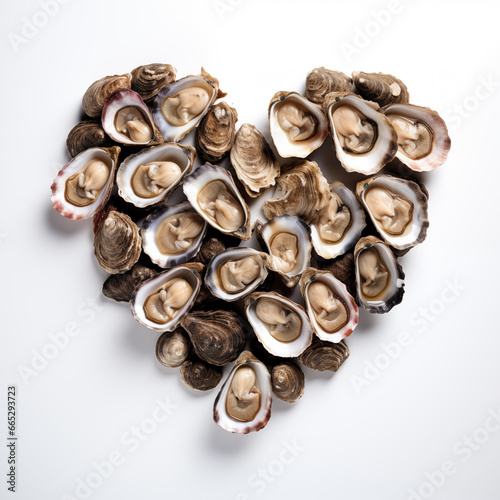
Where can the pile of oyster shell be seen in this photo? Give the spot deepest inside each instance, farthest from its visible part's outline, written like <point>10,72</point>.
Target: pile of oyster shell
<point>185,268</point>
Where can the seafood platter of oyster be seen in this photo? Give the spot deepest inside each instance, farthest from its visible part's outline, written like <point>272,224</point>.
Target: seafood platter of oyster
<point>239,301</point>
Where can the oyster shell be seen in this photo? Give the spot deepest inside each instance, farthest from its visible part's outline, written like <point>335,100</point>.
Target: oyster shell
<point>343,269</point>
<point>423,140</point>
<point>209,249</point>
<point>127,120</point>
<point>298,126</point>
<point>101,90</point>
<point>172,348</point>
<point>322,81</point>
<point>288,382</point>
<point>235,273</point>
<point>324,356</point>
<point>83,186</point>
<point>214,195</point>
<point>85,135</point>
<point>164,311</point>
<point>301,190</point>
<point>149,79</point>
<point>331,308</point>
<point>200,375</point>
<point>364,138</point>
<point>379,277</point>
<point>288,242</point>
<point>339,224</point>
<point>117,242</point>
<point>180,106</point>
<point>172,235</point>
<point>397,208</point>
<point>244,402</point>
<point>253,161</point>
<point>218,337</point>
<point>150,176</point>
<point>216,131</point>
<point>281,325</point>
<point>381,88</point>
<point>120,287</point>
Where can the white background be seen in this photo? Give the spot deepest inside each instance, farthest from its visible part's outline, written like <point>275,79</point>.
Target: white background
<point>376,442</point>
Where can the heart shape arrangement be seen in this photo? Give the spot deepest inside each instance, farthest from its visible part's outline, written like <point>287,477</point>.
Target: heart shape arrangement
<point>185,269</point>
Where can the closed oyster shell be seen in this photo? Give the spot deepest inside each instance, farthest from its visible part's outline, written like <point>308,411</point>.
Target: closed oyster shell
<point>200,375</point>
<point>324,356</point>
<point>288,382</point>
<point>85,135</point>
<point>343,269</point>
<point>301,190</point>
<point>253,160</point>
<point>101,90</point>
<point>218,337</point>
<point>216,131</point>
<point>117,242</point>
<point>322,81</point>
<point>172,348</point>
<point>381,88</point>
<point>149,79</point>
<point>120,287</point>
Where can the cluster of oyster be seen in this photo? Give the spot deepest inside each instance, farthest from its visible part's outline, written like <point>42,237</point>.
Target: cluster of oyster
<point>185,268</point>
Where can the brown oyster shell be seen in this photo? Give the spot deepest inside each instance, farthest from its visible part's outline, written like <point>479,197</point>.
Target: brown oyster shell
<point>200,375</point>
<point>253,160</point>
<point>85,135</point>
<point>381,88</point>
<point>120,287</point>
<point>288,382</point>
<point>216,131</point>
<point>149,79</point>
<point>101,90</point>
<point>322,81</point>
<point>173,348</point>
<point>343,269</point>
<point>218,337</point>
<point>323,356</point>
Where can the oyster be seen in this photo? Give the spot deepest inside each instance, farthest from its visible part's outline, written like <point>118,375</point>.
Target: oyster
<point>343,269</point>
<point>218,337</point>
<point>172,235</point>
<point>333,313</point>
<point>200,375</point>
<point>210,248</point>
<point>397,208</point>
<point>301,190</point>
<point>172,348</point>
<point>288,382</point>
<point>117,242</point>
<point>216,131</point>
<point>379,277</point>
<point>298,126</point>
<point>281,325</point>
<point>214,195</point>
<point>243,404</point>
<point>83,186</point>
<point>150,176</point>
<point>288,242</point>
<point>149,79</point>
<point>85,135</point>
<point>322,81</point>
<point>120,287</point>
<point>101,90</point>
<point>235,273</point>
<point>160,303</point>
<point>127,120</point>
<point>364,138</point>
<point>180,106</point>
<point>423,140</point>
<point>381,88</point>
<point>253,161</point>
<point>324,356</point>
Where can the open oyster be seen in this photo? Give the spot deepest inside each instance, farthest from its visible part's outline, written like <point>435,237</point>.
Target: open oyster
<point>161,302</point>
<point>214,195</point>
<point>364,138</point>
<point>243,404</point>
<point>150,176</point>
<point>423,140</point>
<point>298,126</point>
<point>127,120</point>
<point>288,242</point>
<point>101,90</point>
<point>83,186</point>
<point>398,209</point>
<point>180,106</point>
<point>379,277</point>
<point>339,224</point>
<point>381,88</point>
<point>253,160</point>
<point>322,81</point>
<point>281,325</point>
<point>235,273</point>
<point>172,235</point>
<point>332,310</point>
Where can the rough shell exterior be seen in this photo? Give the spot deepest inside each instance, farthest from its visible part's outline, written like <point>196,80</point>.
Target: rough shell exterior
<point>149,79</point>
<point>322,81</point>
<point>381,88</point>
<point>101,90</point>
